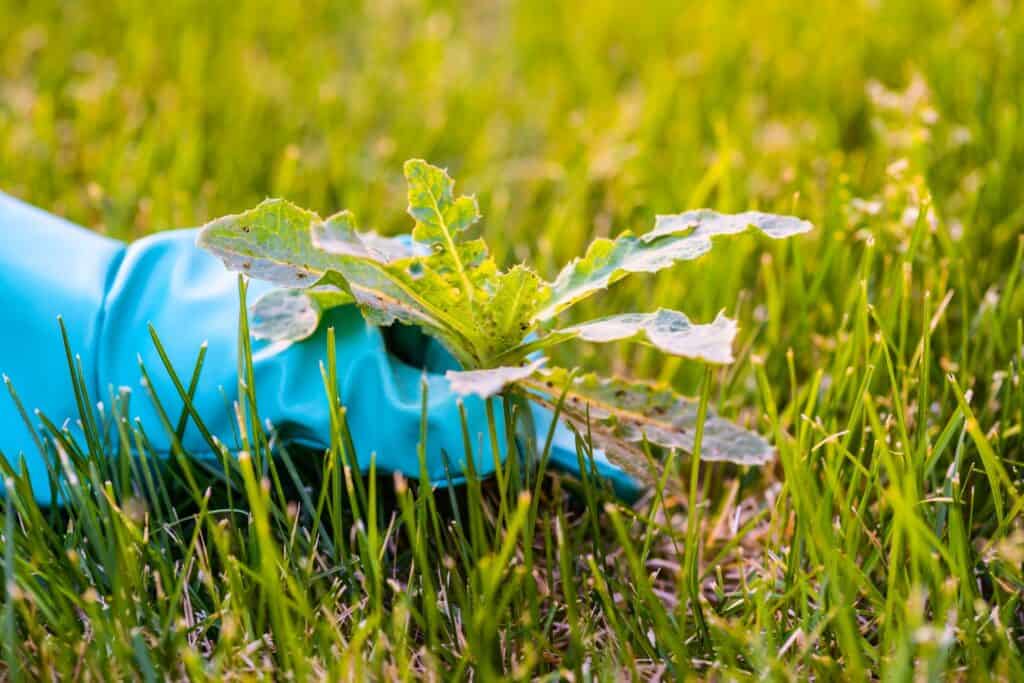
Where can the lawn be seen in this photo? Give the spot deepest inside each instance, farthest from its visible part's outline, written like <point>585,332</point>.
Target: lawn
<point>880,353</point>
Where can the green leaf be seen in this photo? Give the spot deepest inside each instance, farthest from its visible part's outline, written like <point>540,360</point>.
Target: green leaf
<point>440,217</point>
<point>494,310</point>
<point>476,264</point>
<point>675,238</point>
<point>666,330</point>
<point>271,242</point>
<point>619,414</point>
<point>284,244</point>
<point>292,314</point>
<point>489,382</point>
<point>498,316</point>
<point>518,295</point>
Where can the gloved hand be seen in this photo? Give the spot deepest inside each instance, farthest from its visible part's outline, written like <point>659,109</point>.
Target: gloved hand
<point>108,293</point>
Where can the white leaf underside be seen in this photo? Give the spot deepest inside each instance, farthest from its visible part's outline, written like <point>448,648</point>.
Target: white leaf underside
<point>489,382</point>
<point>709,223</point>
<point>668,331</point>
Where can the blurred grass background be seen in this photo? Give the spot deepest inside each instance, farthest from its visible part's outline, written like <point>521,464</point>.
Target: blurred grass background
<point>894,126</point>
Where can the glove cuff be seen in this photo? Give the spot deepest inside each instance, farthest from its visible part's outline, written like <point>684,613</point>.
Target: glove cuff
<point>48,267</point>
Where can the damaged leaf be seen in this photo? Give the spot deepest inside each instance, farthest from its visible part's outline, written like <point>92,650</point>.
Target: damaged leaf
<point>624,413</point>
<point>271,242</point>
<point>490,382</point>
<point>666,330</point>
<point>680,237</point>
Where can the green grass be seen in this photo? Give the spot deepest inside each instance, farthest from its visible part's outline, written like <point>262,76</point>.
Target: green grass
<point>882,353</point>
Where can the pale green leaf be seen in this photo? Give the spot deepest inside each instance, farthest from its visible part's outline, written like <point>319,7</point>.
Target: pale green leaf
<point>271,242</point>
<point>489,382</point>
<point>669,331</point>
<point>676,238</point>
<point>518,295</point>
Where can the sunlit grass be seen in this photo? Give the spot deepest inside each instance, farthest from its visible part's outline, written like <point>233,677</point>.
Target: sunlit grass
<point>880,353</point>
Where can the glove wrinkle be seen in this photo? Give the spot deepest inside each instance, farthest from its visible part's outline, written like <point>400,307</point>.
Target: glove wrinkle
<point>93,369</point>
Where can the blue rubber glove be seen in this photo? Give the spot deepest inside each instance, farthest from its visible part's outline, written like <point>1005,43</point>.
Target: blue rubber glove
<point>108,293</point>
